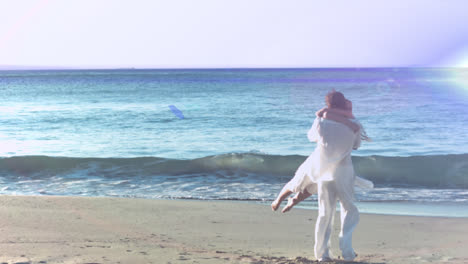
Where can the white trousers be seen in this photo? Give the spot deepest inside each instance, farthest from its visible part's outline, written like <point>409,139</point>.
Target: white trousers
<point>328,194</point>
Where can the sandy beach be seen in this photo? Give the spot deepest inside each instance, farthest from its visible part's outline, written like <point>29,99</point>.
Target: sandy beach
<point>49,229</point>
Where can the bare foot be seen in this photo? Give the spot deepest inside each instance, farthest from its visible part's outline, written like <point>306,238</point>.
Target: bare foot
<point>289,205</point>
<point>274,205</point>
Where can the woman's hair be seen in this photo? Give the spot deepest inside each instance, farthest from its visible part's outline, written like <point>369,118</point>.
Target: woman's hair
<point>335,99</point>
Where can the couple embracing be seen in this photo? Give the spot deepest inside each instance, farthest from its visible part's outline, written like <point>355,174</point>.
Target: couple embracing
<point>329,172</point>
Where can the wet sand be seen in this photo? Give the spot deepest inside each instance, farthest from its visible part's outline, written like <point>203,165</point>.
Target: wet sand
<point>48,229</point>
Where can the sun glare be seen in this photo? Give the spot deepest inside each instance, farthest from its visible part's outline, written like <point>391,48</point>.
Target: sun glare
<point>463,62</point>
<point>460,76</point>
<point>458,59</point>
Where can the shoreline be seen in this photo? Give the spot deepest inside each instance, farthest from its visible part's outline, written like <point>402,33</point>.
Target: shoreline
<point>66,229</point>
<point>390,208</point>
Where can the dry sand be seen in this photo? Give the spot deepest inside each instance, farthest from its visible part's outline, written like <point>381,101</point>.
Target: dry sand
<point>44,229</point>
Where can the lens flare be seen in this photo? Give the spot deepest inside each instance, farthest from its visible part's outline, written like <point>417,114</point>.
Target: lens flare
<point>462,59</point>
<point>458,74</point>
<point>460,79</point>
<point>457,59</point>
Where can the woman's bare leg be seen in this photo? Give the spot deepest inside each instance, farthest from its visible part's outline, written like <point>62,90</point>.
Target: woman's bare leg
<point>285,192</point>
<point>299,197</point>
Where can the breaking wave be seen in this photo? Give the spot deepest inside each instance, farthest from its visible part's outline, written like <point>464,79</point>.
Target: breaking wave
<point>436,171</point>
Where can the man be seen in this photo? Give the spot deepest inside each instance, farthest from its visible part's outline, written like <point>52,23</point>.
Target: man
<point>332,170</point>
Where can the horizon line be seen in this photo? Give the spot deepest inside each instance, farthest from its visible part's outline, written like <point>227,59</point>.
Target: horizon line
<point>59,68</point>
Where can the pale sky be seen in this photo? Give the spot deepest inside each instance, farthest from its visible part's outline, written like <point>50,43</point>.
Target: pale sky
<point>233,33</point>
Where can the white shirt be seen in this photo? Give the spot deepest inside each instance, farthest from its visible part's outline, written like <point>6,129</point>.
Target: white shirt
<point>331,159</point>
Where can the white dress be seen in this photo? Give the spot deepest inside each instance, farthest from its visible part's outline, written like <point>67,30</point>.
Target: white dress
<point>331,154</point>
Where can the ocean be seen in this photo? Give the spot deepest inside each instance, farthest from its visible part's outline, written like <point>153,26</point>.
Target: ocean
<point>232,134</point>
